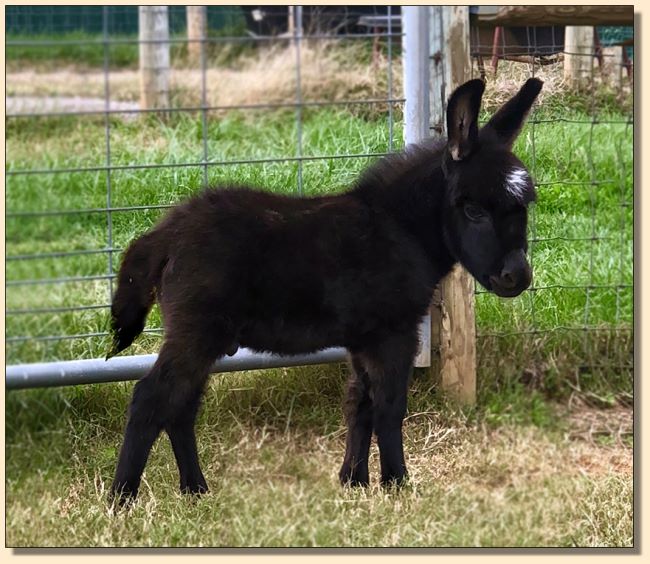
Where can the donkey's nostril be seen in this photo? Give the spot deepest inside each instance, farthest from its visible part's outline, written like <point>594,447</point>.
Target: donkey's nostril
<point>507,280</point>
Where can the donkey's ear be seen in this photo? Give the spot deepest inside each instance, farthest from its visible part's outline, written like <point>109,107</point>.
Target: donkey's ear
<point>506,124</point>
<point>462,118</point>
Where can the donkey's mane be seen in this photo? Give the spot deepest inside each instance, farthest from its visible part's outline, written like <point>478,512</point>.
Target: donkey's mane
<point>415,162</point>
<point>408,185</point>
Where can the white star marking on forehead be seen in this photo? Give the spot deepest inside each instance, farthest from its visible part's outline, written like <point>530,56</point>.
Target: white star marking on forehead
<point>517,182</point>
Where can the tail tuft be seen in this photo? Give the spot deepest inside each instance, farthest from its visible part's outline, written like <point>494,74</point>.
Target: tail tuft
<point>125,328</point>
<point>139,274</point>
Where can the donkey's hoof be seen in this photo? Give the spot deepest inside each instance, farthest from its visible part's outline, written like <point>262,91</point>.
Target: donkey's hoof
<point>197,489</point>
<point>391,483</point>
<point>122,494</point>
<point>351,479</point>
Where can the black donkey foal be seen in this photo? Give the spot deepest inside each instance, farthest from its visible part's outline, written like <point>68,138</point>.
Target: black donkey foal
<point>237,267</point>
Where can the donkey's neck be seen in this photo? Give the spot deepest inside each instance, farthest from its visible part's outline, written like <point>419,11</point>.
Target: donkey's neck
<point>410,187</point>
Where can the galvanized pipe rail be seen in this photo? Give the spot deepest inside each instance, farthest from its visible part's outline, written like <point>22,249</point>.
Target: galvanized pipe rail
<point>124,368</point>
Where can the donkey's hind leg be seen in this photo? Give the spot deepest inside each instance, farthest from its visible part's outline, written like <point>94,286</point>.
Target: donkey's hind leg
<point>358,414</point>
<point>168,393</point>
<point>181,434</point>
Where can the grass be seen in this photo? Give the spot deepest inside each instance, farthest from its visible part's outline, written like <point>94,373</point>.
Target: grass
<point>83,50</point>
<point>73,48</point>
<point>264,135</point>
<point>263,76</point>
<point>270,446</point>
<point>529,465</point>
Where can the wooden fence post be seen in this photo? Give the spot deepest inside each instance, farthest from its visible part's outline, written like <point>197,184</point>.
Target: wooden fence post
<point>578,55</point>
<point>197,30</point>
<point>453,331</point>
<point>613,65</point>
<point>154,56</point>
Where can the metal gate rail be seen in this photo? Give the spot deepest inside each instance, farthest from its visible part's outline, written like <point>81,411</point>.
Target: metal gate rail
<point>123,368</point>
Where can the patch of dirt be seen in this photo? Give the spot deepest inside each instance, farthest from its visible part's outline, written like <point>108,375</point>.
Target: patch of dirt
<point>604,437</point>
<point>56,104</point>
<point>604,461</point>
<point>602,427</point>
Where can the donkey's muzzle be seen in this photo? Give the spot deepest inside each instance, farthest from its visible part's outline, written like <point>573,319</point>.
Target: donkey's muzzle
<point>515,276</point>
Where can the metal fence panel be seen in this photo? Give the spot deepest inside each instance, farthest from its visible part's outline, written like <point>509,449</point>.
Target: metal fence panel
<point>71,211</point>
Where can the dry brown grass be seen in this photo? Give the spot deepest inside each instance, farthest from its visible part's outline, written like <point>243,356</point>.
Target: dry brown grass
<point>270,446</point>
<point>328,71</point>
<point>511,75</point>
<point>507,457</point>
<point>267,77</point>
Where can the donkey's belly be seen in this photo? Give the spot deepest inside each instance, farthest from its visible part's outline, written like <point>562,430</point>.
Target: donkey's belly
<point>280,337</point>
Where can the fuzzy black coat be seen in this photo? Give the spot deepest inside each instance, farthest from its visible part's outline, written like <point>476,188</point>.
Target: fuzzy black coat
<point>235,267</point>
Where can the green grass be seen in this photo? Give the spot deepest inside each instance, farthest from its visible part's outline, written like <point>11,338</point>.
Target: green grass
<point>231,136</point>
<point>85,50</point>
<point>63,49</point>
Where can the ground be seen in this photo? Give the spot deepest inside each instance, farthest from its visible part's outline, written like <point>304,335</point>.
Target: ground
<point>271,444</point>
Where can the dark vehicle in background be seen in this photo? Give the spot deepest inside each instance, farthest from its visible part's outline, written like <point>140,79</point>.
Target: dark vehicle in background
<point>274,20</point>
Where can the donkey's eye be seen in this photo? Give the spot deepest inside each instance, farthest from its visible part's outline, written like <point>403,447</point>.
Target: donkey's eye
<point>474,212</point>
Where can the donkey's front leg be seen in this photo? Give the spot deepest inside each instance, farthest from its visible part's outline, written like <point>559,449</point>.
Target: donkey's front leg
<point>389,409</point>
<point>389,367</point>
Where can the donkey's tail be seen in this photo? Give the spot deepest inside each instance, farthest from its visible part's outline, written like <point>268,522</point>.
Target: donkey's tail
<point>139,275</point>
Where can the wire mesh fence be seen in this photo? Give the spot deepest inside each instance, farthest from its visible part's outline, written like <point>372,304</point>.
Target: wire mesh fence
<point>578,311</point>
<point>71,210</point>
<point>299,100</point>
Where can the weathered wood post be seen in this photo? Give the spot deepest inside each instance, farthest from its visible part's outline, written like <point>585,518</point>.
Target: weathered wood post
<point>578,55</point>
<point>415,54</point>
<point>154,56</point>
<point>197,30</point>
<point>453,331</point>
<point>613,65</point>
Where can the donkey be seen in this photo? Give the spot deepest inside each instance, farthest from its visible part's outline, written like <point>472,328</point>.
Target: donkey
<point>239,267</point>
